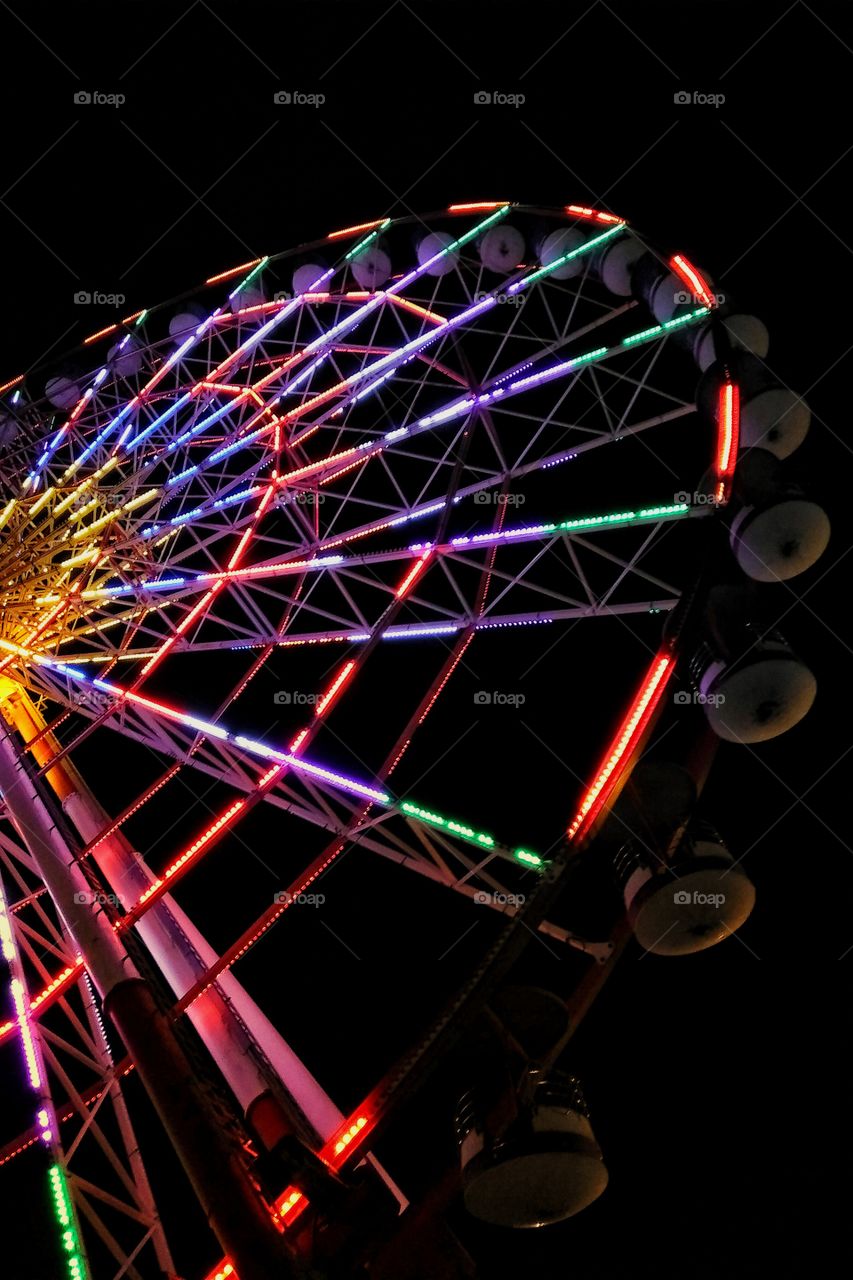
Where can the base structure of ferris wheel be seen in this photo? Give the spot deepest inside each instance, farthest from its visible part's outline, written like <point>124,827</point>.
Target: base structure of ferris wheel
<point>236,475</point>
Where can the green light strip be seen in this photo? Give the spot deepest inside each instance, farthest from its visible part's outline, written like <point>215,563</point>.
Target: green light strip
<point>573,253</point>
<point>263,262</point>
<point>666,326</point>
<point>62,1207</point>
<point>448,824</point>
<point>625,517</point>
<point>532,859</point>
<point>362,244</point>
<point>464,832</point>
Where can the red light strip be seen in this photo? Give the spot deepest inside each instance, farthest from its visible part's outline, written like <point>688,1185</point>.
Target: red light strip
<point>49,995</point>
<point>696,283</point>
<point>581,211</point>
<point>728,434</point>
<point>290,1204</point>
<point>334,689</point>
<point>627,736</point>
<point>415,572</point>
<point>207,598</point>
<point>223,1270</point>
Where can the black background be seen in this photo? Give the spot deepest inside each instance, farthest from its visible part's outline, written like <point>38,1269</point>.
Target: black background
<point>719,1083</point>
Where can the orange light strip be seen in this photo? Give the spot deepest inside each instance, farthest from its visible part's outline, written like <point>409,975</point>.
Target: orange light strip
<point>102,333</point>
<point>476,206</point>
<point>400,301</point>
<point>351,231</point>
<point>235,271</point>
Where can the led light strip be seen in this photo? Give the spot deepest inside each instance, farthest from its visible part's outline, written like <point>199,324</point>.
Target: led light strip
<point>336,464</point>
<point>728,436</point>
<point>695,281</point>
<point>627,736</point>
<point>45,1116</point>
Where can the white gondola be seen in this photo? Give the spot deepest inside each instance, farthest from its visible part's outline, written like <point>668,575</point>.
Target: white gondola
<point>125,358</point>
<point>62,392</point>
<point>372,266</point>
<point>757,696</point>
<point>744,332</point>
<point>305,277</point>
<point>432,245</point>
<point>699,899</point>
<point>502,249</point>
<point>559,243</point>
<point>546,1167</point>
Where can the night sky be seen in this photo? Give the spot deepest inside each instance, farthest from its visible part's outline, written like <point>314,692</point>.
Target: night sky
<point>718,1083</point>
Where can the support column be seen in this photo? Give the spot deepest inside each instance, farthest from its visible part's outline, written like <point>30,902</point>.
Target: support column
<point>234,1210</point>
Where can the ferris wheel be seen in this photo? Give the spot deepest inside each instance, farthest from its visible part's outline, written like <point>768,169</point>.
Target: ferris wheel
<point>362,461</point>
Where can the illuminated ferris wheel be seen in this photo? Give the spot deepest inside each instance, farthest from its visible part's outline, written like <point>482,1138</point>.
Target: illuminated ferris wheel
<point>407,437</point>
